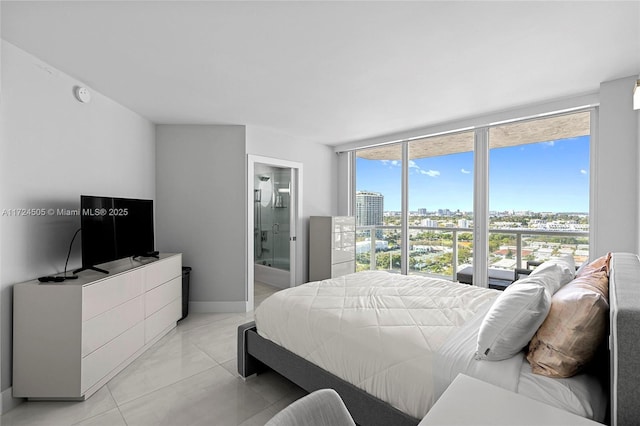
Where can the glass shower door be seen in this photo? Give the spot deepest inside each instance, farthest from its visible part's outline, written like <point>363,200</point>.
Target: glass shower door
<point>272,217</point>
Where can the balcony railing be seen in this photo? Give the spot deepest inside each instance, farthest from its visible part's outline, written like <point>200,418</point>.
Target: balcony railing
<point>380,236</point>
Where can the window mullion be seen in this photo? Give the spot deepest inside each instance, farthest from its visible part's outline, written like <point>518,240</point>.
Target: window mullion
<point>481,208</point>
<point>351,176</point>
<point>404,247</point>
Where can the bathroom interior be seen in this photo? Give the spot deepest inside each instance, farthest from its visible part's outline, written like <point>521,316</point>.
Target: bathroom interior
<point>272,188</point>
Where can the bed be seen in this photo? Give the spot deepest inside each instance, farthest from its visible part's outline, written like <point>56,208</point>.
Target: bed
<point>391,344</point>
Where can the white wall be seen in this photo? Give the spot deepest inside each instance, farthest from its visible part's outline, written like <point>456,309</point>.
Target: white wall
<point>54,149</point>
<point>616,187</point>
<point>201,210</point>
<point>320,165</point>
<point>204,167</point>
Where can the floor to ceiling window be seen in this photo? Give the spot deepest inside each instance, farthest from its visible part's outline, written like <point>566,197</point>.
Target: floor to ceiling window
<point>538,197</point>
<point>440,203</point>
<point>539,190</point>
<point>378,201</point>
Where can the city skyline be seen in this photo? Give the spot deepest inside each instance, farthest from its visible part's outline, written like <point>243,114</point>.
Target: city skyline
<point>540,177</point>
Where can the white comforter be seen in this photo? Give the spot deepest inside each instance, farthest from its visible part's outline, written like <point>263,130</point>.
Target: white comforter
<point>404,338</point>
<point>376,330</point>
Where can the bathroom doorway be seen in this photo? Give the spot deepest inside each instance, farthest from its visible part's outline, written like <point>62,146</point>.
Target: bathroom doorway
<point>271,225</point>
<point>274,217</point>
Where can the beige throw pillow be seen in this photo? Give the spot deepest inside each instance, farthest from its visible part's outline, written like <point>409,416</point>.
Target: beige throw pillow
<point>598,265</point>
<point>574,329</point>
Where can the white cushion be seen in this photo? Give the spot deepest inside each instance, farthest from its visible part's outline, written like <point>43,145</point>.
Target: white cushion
<point>555,272</point>
<point>513,319</point>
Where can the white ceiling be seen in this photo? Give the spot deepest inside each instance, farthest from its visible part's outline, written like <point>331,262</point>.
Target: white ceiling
<point>330,72</point>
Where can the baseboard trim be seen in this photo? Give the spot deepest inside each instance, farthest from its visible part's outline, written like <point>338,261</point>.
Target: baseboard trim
<point>8,402</point>
<point>212,307</point>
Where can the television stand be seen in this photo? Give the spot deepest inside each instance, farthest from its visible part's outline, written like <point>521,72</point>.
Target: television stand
<point>93,268</point>
<point>73,337</point>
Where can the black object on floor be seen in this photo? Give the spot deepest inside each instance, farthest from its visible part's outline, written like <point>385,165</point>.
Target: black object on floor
<point>186,272</point>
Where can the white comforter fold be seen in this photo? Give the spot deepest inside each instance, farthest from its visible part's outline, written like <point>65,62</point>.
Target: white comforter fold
<point>376,330</point>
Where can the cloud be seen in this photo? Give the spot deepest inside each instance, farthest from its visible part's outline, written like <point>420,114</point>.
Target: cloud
<point>392,163</point>
<point>418,169</point>
<point>583,172</point>
<point>550,143</point>
<point>466,172</point>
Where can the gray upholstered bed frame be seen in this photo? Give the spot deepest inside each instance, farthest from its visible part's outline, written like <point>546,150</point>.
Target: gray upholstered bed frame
<point>256,353</point>
<point>624,339</point>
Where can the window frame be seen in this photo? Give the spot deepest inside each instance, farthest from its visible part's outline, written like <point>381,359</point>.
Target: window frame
<point>480,185</point>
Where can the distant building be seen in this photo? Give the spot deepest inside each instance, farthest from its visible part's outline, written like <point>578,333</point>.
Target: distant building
<point>369,208</point>
<point>422,212</point>
<point>429,222</point>
<point>543,253</point>
<point>505,264</point>
<point>420,248</point>
<point>365,246</point>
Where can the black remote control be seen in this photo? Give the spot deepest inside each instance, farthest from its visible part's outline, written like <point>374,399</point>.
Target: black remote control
<point>49,278</point>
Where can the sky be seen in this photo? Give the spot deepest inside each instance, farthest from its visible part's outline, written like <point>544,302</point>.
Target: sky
<point>542,177</point>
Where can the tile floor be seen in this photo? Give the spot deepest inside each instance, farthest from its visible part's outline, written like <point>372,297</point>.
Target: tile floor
<point>188,378</point>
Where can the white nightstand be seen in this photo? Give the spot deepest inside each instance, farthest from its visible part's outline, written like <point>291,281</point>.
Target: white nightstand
<point>469,401</point>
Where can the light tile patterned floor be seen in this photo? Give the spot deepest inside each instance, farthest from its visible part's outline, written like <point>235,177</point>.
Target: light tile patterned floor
<point>187,378</point>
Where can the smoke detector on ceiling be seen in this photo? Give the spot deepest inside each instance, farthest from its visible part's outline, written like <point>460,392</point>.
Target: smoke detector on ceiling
<point>82,94</point>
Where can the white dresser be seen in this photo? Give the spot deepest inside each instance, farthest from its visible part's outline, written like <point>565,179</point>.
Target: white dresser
<point>70,338</point>
<point>332,246</point>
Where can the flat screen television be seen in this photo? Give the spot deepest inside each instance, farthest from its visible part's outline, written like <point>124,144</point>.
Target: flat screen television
<point>115,228</point>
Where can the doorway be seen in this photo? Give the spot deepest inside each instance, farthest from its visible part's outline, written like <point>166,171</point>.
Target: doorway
<point>274,220</point>
<point>271,225</point>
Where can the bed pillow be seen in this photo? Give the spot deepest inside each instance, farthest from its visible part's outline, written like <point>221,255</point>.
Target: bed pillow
<point>556,272</point>
<point>598,265</point>
<point>513,319</point>
<point>566,260</point>
<point>574,329</point>
<point>581,268</point>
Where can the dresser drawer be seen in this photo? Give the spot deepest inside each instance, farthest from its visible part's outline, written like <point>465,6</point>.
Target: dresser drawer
<point>105,327</point>
<point>344,224</point>
<point>111,292</point>
<point>343,255</point>
<point>162,319</point>
<point>162,271</point>
<point>105,359</point>
<point>161,296</point>
<point>343,239</point>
